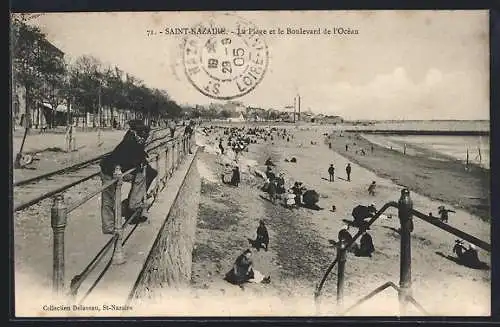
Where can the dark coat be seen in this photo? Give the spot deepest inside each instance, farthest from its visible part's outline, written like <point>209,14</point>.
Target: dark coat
<point>362,212</point>
<point>235,179</point>
<point>128,154</point>
<point>262,234</point>
<point>345,235</point>
<point>366,244</point>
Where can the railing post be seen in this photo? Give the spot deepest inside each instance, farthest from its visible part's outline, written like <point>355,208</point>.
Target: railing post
<point>119,255</point>
<point>58,220</point>
<point>157,165</point>
<point>405,206</point>
<point>341,253</point>
<point>178,153</point>
<point>167,169</point>
<point>174,156</point>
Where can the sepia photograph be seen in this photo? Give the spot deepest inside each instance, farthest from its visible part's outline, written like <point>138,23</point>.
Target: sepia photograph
<point>251,163</point>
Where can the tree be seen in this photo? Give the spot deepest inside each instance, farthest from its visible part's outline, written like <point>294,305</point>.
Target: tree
<point>225,113</point>
<point>55,84</point>
<point>86,79</point>
<point>30,61</point>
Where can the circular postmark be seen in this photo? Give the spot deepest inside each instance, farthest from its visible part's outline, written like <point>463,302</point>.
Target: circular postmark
<point>227,59</point>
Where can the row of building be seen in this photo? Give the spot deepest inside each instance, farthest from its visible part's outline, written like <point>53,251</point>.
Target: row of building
<point>239,113</point>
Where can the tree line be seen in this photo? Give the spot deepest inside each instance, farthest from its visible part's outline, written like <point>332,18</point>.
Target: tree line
<point>85,84</point>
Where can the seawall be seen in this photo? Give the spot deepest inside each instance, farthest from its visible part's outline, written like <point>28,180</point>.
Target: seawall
<point>170,259</point>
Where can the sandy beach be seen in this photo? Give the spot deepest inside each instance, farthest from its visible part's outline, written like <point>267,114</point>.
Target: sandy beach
<point>300,249</point>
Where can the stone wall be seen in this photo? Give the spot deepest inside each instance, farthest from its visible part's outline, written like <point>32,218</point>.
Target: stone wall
<point>170,260</point>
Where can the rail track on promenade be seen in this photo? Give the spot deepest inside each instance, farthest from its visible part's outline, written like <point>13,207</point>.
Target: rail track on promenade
<point>31,191</point>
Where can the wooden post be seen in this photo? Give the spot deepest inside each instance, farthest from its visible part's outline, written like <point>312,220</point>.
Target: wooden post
<point>405,206</point>
<point>341,253</point>
<point>119,255</point>
<point>58,220</point>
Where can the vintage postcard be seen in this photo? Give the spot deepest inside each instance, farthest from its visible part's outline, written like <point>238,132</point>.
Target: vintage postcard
<point>251,163</point>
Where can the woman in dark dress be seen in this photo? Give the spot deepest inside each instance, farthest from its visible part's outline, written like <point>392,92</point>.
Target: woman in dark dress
<point>242,270</point>
<point>235,179</point>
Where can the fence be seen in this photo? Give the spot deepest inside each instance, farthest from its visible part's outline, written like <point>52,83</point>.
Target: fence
<point>405,213</point>
<point>172,152</point>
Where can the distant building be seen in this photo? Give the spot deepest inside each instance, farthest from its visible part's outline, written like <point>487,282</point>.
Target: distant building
<point>327,119</point>
<point>39,111</point>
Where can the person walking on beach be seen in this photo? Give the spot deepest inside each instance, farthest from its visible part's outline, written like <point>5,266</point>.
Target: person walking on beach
<point>331,172</point>
<point>347,147</point>
<point>443,213</point>
<point>348,172</point>
<point>371,188</point>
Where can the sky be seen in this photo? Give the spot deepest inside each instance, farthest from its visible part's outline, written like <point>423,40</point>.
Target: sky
<point>400,65</point>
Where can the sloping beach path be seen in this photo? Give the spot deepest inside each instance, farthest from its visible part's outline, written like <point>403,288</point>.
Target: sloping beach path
<point>300,250</point>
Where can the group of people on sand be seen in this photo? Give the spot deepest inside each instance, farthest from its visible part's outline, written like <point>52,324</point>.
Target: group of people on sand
<point>238,139</point>
<point>295,196</point>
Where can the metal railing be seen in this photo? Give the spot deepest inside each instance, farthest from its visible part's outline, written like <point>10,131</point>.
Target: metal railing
<point>173,151</point>
<point>405,214</point>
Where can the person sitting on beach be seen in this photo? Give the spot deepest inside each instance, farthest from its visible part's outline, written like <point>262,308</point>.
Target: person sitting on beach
<point>371,188</point>
<point>235,178</point>
<point>297,190</point>
<point>271,190</point>
<point>467,256</point>
<point>366,247</point>
<point>344,235</point>
<point>360,213</point>
<point>280,183</point>
<point>243,272</point>
<point>443,213</point>
<point>269,173</point>
<point>269,162</point>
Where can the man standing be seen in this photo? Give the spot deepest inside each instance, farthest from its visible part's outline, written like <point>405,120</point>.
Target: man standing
<point>348,172</point>
<point>331,172</point>
<point>129,154</point>
<point>188,131</point>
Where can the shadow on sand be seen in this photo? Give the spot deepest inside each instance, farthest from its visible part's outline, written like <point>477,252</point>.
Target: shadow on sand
<point>480,266</point>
